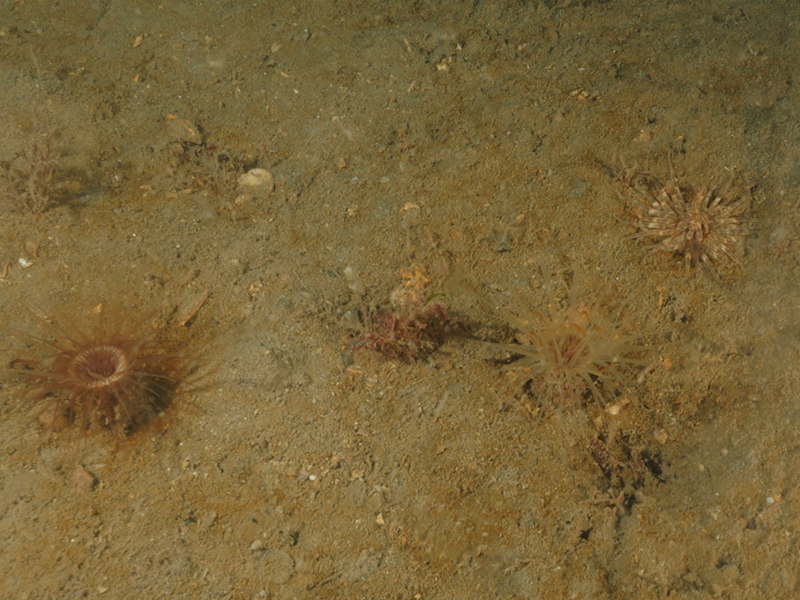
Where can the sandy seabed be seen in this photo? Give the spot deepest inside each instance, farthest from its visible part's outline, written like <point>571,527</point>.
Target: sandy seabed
<point>491,139</point>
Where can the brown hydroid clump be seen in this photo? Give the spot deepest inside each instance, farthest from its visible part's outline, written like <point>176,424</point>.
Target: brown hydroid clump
<point>414,326</point>
<point>116,372</point>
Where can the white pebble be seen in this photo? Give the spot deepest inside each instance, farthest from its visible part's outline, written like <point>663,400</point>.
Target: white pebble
<point>257,178</point>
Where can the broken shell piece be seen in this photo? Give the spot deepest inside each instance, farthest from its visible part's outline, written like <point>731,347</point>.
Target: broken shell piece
<point>256,183</point>
<point>183,131</point>
<point>257,178</point>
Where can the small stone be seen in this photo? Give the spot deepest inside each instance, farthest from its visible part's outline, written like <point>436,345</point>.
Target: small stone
<point>207,521</point>
<point>279,566</point>
<point>354,281</point>
<point>365,567</point>
<point>83,480</point>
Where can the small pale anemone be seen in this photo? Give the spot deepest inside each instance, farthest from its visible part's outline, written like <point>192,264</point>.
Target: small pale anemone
<point>706,225</point>
<point>570,353</point>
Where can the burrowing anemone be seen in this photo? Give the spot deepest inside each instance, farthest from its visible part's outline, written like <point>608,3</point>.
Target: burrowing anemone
<point>707,225</point>
<point>572,353</point>
<point>116,372</point>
